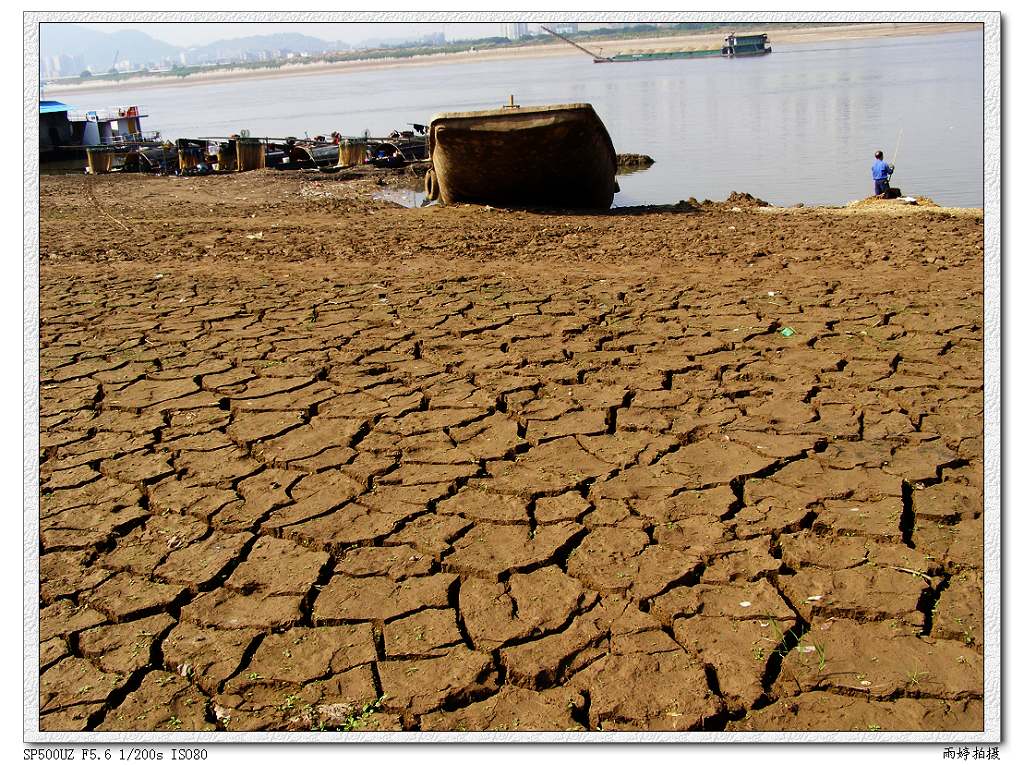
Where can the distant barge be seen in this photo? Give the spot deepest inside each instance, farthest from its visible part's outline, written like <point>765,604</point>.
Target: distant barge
<point>734,46</point>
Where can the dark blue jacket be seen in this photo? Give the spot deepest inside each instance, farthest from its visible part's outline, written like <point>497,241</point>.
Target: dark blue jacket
<point>880,171</point>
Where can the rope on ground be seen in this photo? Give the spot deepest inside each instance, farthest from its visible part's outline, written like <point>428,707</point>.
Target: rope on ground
<point>96,203</point>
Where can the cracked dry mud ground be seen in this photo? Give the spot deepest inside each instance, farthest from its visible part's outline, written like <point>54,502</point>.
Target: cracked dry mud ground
<point>459,469</point>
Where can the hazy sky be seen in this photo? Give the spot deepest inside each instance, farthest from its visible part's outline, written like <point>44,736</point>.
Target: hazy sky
<point>200,33</point>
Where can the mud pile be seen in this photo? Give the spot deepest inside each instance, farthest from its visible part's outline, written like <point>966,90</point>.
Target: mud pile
<point>743,199</point>
<point>898,202</point>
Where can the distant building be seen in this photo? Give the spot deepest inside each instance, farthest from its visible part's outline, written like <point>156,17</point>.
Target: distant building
<point>515,31</point>
<point>61,66</point>
<point>566,27</point>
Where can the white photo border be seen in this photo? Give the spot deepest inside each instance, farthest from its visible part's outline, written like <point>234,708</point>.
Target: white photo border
<point>992,732</point>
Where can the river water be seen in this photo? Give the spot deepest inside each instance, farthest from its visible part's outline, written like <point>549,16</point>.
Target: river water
<point>799,125</point>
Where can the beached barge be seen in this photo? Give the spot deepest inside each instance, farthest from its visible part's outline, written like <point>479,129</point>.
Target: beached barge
<point>540,156</point>
<point>240,152</point>
<point>734,46</point>
<point>398,149</point>
<point>112,140</point>
<point>65,133</point>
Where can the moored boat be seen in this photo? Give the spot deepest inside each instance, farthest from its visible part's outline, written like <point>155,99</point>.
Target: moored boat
<point>540,156</point>
<point>65,133</point>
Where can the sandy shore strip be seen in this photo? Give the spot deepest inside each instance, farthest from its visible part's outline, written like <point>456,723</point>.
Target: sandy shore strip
<point>781,37</point>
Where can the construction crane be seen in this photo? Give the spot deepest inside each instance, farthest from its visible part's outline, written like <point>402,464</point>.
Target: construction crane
<point>598,59</point>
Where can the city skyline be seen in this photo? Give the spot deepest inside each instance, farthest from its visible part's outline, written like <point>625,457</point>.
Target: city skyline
<point>72,49</point>
<point>187,33</point>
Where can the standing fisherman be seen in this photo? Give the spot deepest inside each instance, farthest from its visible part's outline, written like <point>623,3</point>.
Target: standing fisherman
<point>880,172</point>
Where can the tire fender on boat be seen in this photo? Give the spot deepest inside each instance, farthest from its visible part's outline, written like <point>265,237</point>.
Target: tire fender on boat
<point>430,185</point>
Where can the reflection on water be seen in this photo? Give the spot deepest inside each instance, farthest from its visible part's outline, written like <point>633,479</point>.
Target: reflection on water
<point>800,125</point>
<point>630,169</point>
<point>403,197</point>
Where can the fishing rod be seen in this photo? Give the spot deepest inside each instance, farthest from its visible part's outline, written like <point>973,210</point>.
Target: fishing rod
<point>899,141</point>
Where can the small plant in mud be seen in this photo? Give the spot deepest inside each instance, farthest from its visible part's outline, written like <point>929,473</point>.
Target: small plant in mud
<point>968,632</point>
<point>174,723</point>
<point>816,647</point>
<point>780,636</point>
<point>355,721</point>
<point>819,649</point>
<point>914,678</point>
<point>784,639</point>
<point>289,702</point>
<point>874,728</point>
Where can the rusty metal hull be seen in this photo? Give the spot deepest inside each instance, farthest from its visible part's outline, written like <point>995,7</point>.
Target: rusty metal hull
<point>545,156</point>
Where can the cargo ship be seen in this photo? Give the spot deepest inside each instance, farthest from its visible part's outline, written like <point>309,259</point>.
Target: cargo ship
<point>734,46</point>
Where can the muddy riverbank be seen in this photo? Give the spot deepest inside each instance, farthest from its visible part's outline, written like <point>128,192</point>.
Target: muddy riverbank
<point>310,460</point>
